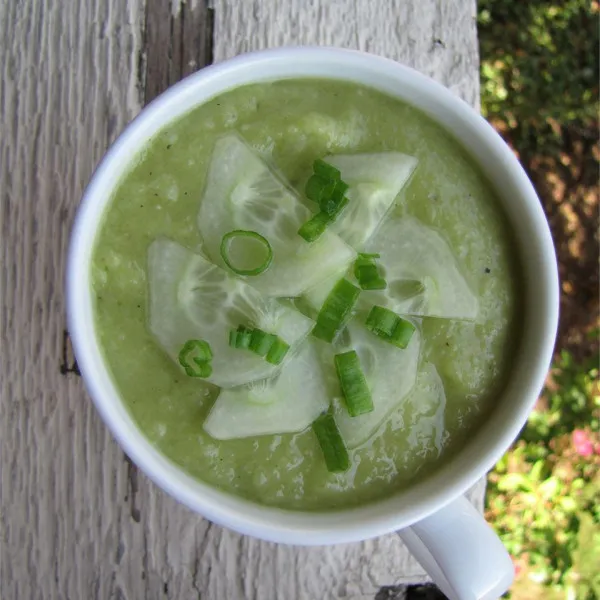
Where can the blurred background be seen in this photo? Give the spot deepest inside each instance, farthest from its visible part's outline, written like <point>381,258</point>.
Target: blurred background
<point>539,88</point>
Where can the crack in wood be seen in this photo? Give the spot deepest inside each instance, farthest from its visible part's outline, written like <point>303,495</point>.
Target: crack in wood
<point>132,479</point>
<point>69,363</point>
<point>206,540</point>
<point>177,40</point>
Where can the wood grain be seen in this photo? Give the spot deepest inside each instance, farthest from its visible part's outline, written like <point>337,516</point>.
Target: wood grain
<point>77,520</point>
<point>437,37</point>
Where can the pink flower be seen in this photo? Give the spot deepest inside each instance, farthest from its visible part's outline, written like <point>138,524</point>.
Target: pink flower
<point>582,443</point>
<point>517,566</point>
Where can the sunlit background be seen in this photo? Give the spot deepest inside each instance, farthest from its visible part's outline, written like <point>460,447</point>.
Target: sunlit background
<point>539,87</point>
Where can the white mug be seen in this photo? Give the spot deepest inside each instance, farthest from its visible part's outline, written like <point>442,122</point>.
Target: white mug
<point>444,532</point>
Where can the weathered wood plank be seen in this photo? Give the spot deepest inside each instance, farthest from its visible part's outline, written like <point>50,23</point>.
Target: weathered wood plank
<point>437,37</point>
<point>177,42</point>
<point>77,519</point>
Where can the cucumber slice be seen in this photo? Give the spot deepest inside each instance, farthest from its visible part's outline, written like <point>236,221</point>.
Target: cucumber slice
<point>424,411</point>
<point>316,295</point>
<point>190,298</point>
<point>242,192</point>
<point>390,372</point>
<point>375,181</point>
<point>288,403</point>
<point>422,273</point>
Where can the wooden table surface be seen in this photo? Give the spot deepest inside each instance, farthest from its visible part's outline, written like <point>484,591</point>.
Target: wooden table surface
<point>78,521</point>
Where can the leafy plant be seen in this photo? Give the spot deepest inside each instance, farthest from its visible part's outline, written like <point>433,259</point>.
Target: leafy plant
<point>539,64</point>
<point>539,88</point>
<point>543,494</point>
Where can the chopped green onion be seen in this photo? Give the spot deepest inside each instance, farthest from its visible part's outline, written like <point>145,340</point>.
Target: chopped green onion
<point>325,170</point>
<point>369,256</point>
<point>195,357</point>
<point>317,224</point>
<point>403,333</point>
<point>261,342</point>
<point>338,210</point>
<point>314,227</point>
<point>336,310</point>
<point>375,284</point>
<point>369,279</point>
<point>233,334</point>
<point>277,352</point>
<point>331,205</point>
<point>332,444</point>
<point>389,326</point>
<point>319,189</point>
<point>381,321</point>
<point>353,383</point>
<point>243,337</point>
<point>326,189</point>
<point>240,233</point>
<point>367,273</point>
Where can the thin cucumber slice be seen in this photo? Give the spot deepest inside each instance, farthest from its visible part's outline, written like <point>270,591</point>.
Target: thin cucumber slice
<point>375,181</point>
<point>423,412</point>
<point>390,372</point>
<point>190,298</point>
<point>316,295</point>
<point>422,273</point>
<point>243,193</point>
<point>288,403</point>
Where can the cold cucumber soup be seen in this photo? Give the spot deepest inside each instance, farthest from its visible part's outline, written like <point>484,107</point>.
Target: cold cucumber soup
<point>306,293</point>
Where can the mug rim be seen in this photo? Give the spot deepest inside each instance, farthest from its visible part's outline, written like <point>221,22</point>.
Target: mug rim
<point>489,442</point>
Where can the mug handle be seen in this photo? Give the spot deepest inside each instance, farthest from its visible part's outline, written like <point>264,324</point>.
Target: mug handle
<point>461,553</point>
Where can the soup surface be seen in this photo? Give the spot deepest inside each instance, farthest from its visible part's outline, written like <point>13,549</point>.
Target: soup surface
<point>462,362</point>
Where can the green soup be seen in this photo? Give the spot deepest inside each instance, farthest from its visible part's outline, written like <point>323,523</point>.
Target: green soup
<point>292,123</point>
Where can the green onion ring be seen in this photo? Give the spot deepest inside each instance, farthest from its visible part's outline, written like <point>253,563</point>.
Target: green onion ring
<point>228,238</point>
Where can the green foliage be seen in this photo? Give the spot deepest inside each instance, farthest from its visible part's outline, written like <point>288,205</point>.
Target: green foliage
<point>539,60</point>
<point>587,558</point>
<point>539,87</point>
<point>543,494</point>
<point>572,401</point>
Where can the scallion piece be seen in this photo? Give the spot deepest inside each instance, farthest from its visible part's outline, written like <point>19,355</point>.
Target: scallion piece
<point>314,227</point>
<point>332,444</point>
<point>369,279</point>
<point>233,338</point>
<point>333,204</point>
<point>318,189</point>
<point>325,170</point>
<point>336,310</point>
<point>268,345</point>
<point>195,358</point>
<point>354,385</point>
<point>403,333</point>
<point>243,337</point>
<point>277,352</point>
<point>389,326</point>
<point>367,273</point>
<point>382,321</point>
<point>253,235</point>
<point>317,224</point>
<point>261,342</point>
<point>326,189</point>
<point>339,207</point>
